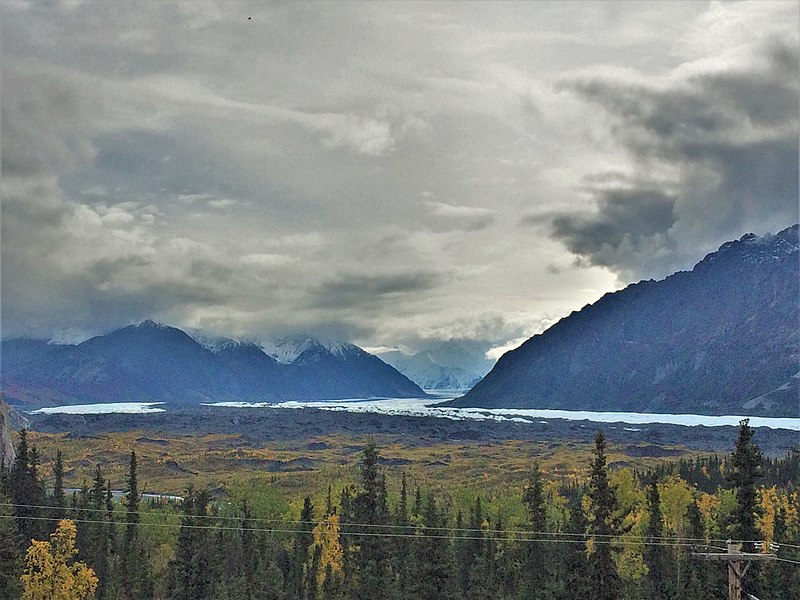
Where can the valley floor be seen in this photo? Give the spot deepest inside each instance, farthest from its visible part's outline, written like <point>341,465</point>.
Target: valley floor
<point>211,446</point>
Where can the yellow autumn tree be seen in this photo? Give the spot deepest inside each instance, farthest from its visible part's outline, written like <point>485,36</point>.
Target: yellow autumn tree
<point>50,573</point>
<point>676,496</point>
<point>326,536</point>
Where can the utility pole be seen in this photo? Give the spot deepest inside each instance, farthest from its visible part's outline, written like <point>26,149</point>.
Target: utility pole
<point>736,571</point>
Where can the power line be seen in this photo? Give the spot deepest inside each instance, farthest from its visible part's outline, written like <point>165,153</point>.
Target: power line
<point>504,537</point>
<point>583,536</point>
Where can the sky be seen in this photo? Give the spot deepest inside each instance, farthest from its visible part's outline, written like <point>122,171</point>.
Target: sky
<point>393,174</point>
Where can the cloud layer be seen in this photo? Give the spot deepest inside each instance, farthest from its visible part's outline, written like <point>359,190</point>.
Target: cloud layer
<point>389,173</point>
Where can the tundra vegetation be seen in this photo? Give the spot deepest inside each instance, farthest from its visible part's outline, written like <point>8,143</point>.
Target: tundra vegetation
<point>607,533</point>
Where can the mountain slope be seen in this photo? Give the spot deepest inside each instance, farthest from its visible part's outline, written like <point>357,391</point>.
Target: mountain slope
<point>155,363</point>
<point>723,338</point>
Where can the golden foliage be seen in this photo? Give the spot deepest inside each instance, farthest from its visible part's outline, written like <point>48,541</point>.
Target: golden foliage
<point>708,504</point>
<point>48,573</point>
<point>676,496</point>
<point>326,536</point>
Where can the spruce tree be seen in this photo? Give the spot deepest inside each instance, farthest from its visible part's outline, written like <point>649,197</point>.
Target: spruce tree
<point>575,564</point>
<point>27,492</point>
<point>654,555</point>
<point>747,464</point>
<point>193,555</point>
<point>135,575</point>
<point>434,570</point>
<point>10,556</point>
<point>371,567</point>
<point>58,500</point>
<point>533,563</point>
<point>604,579</point>
<point>471,556</point>
<point>98,550</point>
<point>402,544</point>
<point>303,541</point>
<point>253,564</point>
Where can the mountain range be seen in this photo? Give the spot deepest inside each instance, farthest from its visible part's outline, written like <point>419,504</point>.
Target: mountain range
<point>151,362</point>
<point>723,338</point>
<point>450,365</point>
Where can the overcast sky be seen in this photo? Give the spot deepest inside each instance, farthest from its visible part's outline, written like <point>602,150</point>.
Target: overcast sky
<point>389,173</point>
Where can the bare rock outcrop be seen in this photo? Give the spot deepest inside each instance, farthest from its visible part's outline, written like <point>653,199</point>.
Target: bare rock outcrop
<point>7,454</point>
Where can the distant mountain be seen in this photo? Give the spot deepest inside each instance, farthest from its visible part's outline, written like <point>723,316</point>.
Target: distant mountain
<point>451,365</point>
<point>154,362</point>
<point>723,338</point>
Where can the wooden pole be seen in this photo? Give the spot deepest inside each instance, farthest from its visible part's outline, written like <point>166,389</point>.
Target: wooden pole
<point>738,563</point>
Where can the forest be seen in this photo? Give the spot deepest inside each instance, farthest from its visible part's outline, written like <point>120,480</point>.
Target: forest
<point>616,534</point>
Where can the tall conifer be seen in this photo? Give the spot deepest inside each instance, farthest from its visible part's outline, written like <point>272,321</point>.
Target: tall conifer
<point>747,464</point>
<point>58,500</point>
<point>654,555</point>
<point>604,579</point>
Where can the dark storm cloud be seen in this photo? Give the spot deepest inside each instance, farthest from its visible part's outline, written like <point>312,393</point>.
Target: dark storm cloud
<point>713,154</point>
<point>353,289</point>
<point>627,225</point>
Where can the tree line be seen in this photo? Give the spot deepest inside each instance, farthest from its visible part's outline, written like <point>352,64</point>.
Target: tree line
<point>618,535</point>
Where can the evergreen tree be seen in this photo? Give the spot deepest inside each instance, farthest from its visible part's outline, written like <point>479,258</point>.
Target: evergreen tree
<point>309,591</point>
<point>654,551</point>
<point>698,585</point>
<point>471,551</point>
<point>346,517</point>
<point>58,500</point>
<point>402,544</point>
<point>329,507</point>
<point>82,510</point>
<point>401,517</point>
<point>252,565</point>
<point>747,464</point>
<point>192,565</point>
<point>605,582</point>
<point>575,563</point>
<point>10,557</point>
<point>303,541</point>
<point>134,575</point>
<point>97,551</point>
<point>371,567</point>
<point>27,492</point>
<point>131,502</point>
<point>331,585</point>
<point>434,568</point>
<point>533,564</point>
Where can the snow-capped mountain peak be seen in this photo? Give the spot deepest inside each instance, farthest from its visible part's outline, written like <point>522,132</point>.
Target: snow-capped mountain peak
<point>288,350</point>
<point>215,343</point>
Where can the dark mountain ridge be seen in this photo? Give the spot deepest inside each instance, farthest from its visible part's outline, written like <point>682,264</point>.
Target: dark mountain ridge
<point>150,362</point>
<point>723,338</point>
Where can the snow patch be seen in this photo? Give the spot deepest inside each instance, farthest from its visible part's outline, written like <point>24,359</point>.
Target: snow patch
<point>420,407</point>
<point>99,409</point>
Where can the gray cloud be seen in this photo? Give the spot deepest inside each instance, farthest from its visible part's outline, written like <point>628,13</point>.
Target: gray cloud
<point>627,231</point>
<point>452,216</point>
<point>713,154</point>
<point>349,290</point>
<point>363,169</point>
